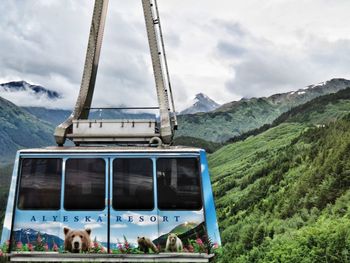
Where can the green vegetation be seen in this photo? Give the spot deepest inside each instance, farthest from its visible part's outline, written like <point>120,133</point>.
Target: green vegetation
<point>283,195</point>
<point>210,147</point>
<point>219,126</point>
<point>19,129</point>
<point>319,111</point>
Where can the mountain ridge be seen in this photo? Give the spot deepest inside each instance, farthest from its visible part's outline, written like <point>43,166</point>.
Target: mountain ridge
<point>238,117</point>
<point>19,129</point>
<point>17,86</point>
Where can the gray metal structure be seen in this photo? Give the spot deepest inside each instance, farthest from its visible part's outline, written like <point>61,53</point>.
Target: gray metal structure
<point>81,130</point>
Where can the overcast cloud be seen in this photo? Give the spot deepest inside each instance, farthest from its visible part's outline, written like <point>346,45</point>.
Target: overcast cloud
<point>227,49</point>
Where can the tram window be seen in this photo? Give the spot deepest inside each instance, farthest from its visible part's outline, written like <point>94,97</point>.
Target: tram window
<point>133,184</point>
<point>40,184</point>
<point>85,184</point>
<point>178,184</point>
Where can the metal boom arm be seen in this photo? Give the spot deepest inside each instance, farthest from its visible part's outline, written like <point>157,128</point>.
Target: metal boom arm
<point>82,108</point>
<point>149,9</point>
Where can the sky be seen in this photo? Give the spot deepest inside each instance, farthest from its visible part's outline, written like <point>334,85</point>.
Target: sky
<point>227,49</point>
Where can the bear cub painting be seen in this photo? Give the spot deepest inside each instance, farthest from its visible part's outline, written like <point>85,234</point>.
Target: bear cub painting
<point>173,243</point>
<point>145,244</point>
<point>77,241</point>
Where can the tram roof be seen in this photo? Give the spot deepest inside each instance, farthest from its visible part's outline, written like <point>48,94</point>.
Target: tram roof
<point>113,149</point>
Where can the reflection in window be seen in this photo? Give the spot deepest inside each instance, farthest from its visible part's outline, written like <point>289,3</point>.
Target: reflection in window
<point>133,184</point>
<point>178,184</point>
<point>40,184</point>
<point>85,184</point>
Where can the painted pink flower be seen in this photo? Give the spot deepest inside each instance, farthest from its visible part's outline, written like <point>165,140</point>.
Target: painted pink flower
<point>190,248</point>
<point>46,247</point>
<point>55,247</point>
<point>96,245</point>
<point>199,241</point>
<point>216,246</point>
<point>102,249</point>
<point>120,247</point>
<point>1,254</point>
<point>39,240</point>
<point>19,245</point>
<point>126,244</point>
<point>30,247</point>
<point>110,251</point>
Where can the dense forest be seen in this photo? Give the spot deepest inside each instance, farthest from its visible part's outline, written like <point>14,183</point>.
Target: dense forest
<point>283,195</point>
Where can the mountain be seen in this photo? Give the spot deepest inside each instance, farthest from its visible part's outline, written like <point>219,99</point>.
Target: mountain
<point>324,109</point>
<point>238,117</point>
<point>201,103</point>
<point>57,116</point>
<point>185,232</point>
<point>210,147</point>
<point>22,86</point>
<point>19,129</point>
<point>52,116</point>
<point>283,195</point>
<point>29,235</point>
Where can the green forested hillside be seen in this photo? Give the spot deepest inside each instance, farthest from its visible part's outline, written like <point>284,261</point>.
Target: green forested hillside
<point>238,117</point>
<point>210,147</point>
<point>19,129</point>
<point>319,111</point>
<point>283,195</point>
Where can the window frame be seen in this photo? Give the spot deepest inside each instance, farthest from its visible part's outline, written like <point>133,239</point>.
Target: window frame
<point>19,182</point>
<point>105,182</point>
<point>112,182</point>
<point>198,159</point>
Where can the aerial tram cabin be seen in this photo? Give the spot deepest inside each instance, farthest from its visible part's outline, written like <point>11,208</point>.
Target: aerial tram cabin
<point>118,195</point>
<point>122,193</point>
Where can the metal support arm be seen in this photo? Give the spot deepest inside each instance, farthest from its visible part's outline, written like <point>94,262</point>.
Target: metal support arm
<point>161,75</point>
<point>166,129</point>
<point>81,110</point>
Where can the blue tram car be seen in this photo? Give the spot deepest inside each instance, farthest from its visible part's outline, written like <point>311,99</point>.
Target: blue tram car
<point>111,199</point>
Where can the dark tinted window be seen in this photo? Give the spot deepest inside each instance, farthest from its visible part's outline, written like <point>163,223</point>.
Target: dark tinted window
<point>133,184</point>
<point>85,184</point>
<point>178,184</point>
<point>40,184</point>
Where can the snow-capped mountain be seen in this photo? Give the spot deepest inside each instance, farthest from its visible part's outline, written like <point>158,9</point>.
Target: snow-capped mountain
<point>201,103</point>
<point>24,87</point>
<point>26,236</point>
<point>310,92</point>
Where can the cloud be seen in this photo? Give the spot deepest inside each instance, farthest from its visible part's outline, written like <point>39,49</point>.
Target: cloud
<point>226,50</point>
<point>94,225</point>
<point>119,226</point>
<point>50,227</point>
<point>263,67</point>
<point>230,49</point>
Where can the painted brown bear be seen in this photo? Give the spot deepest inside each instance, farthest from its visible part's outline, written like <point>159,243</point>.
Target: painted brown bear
<point>77,241</point>
<point>173,243</point>
<point>145,244</point>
